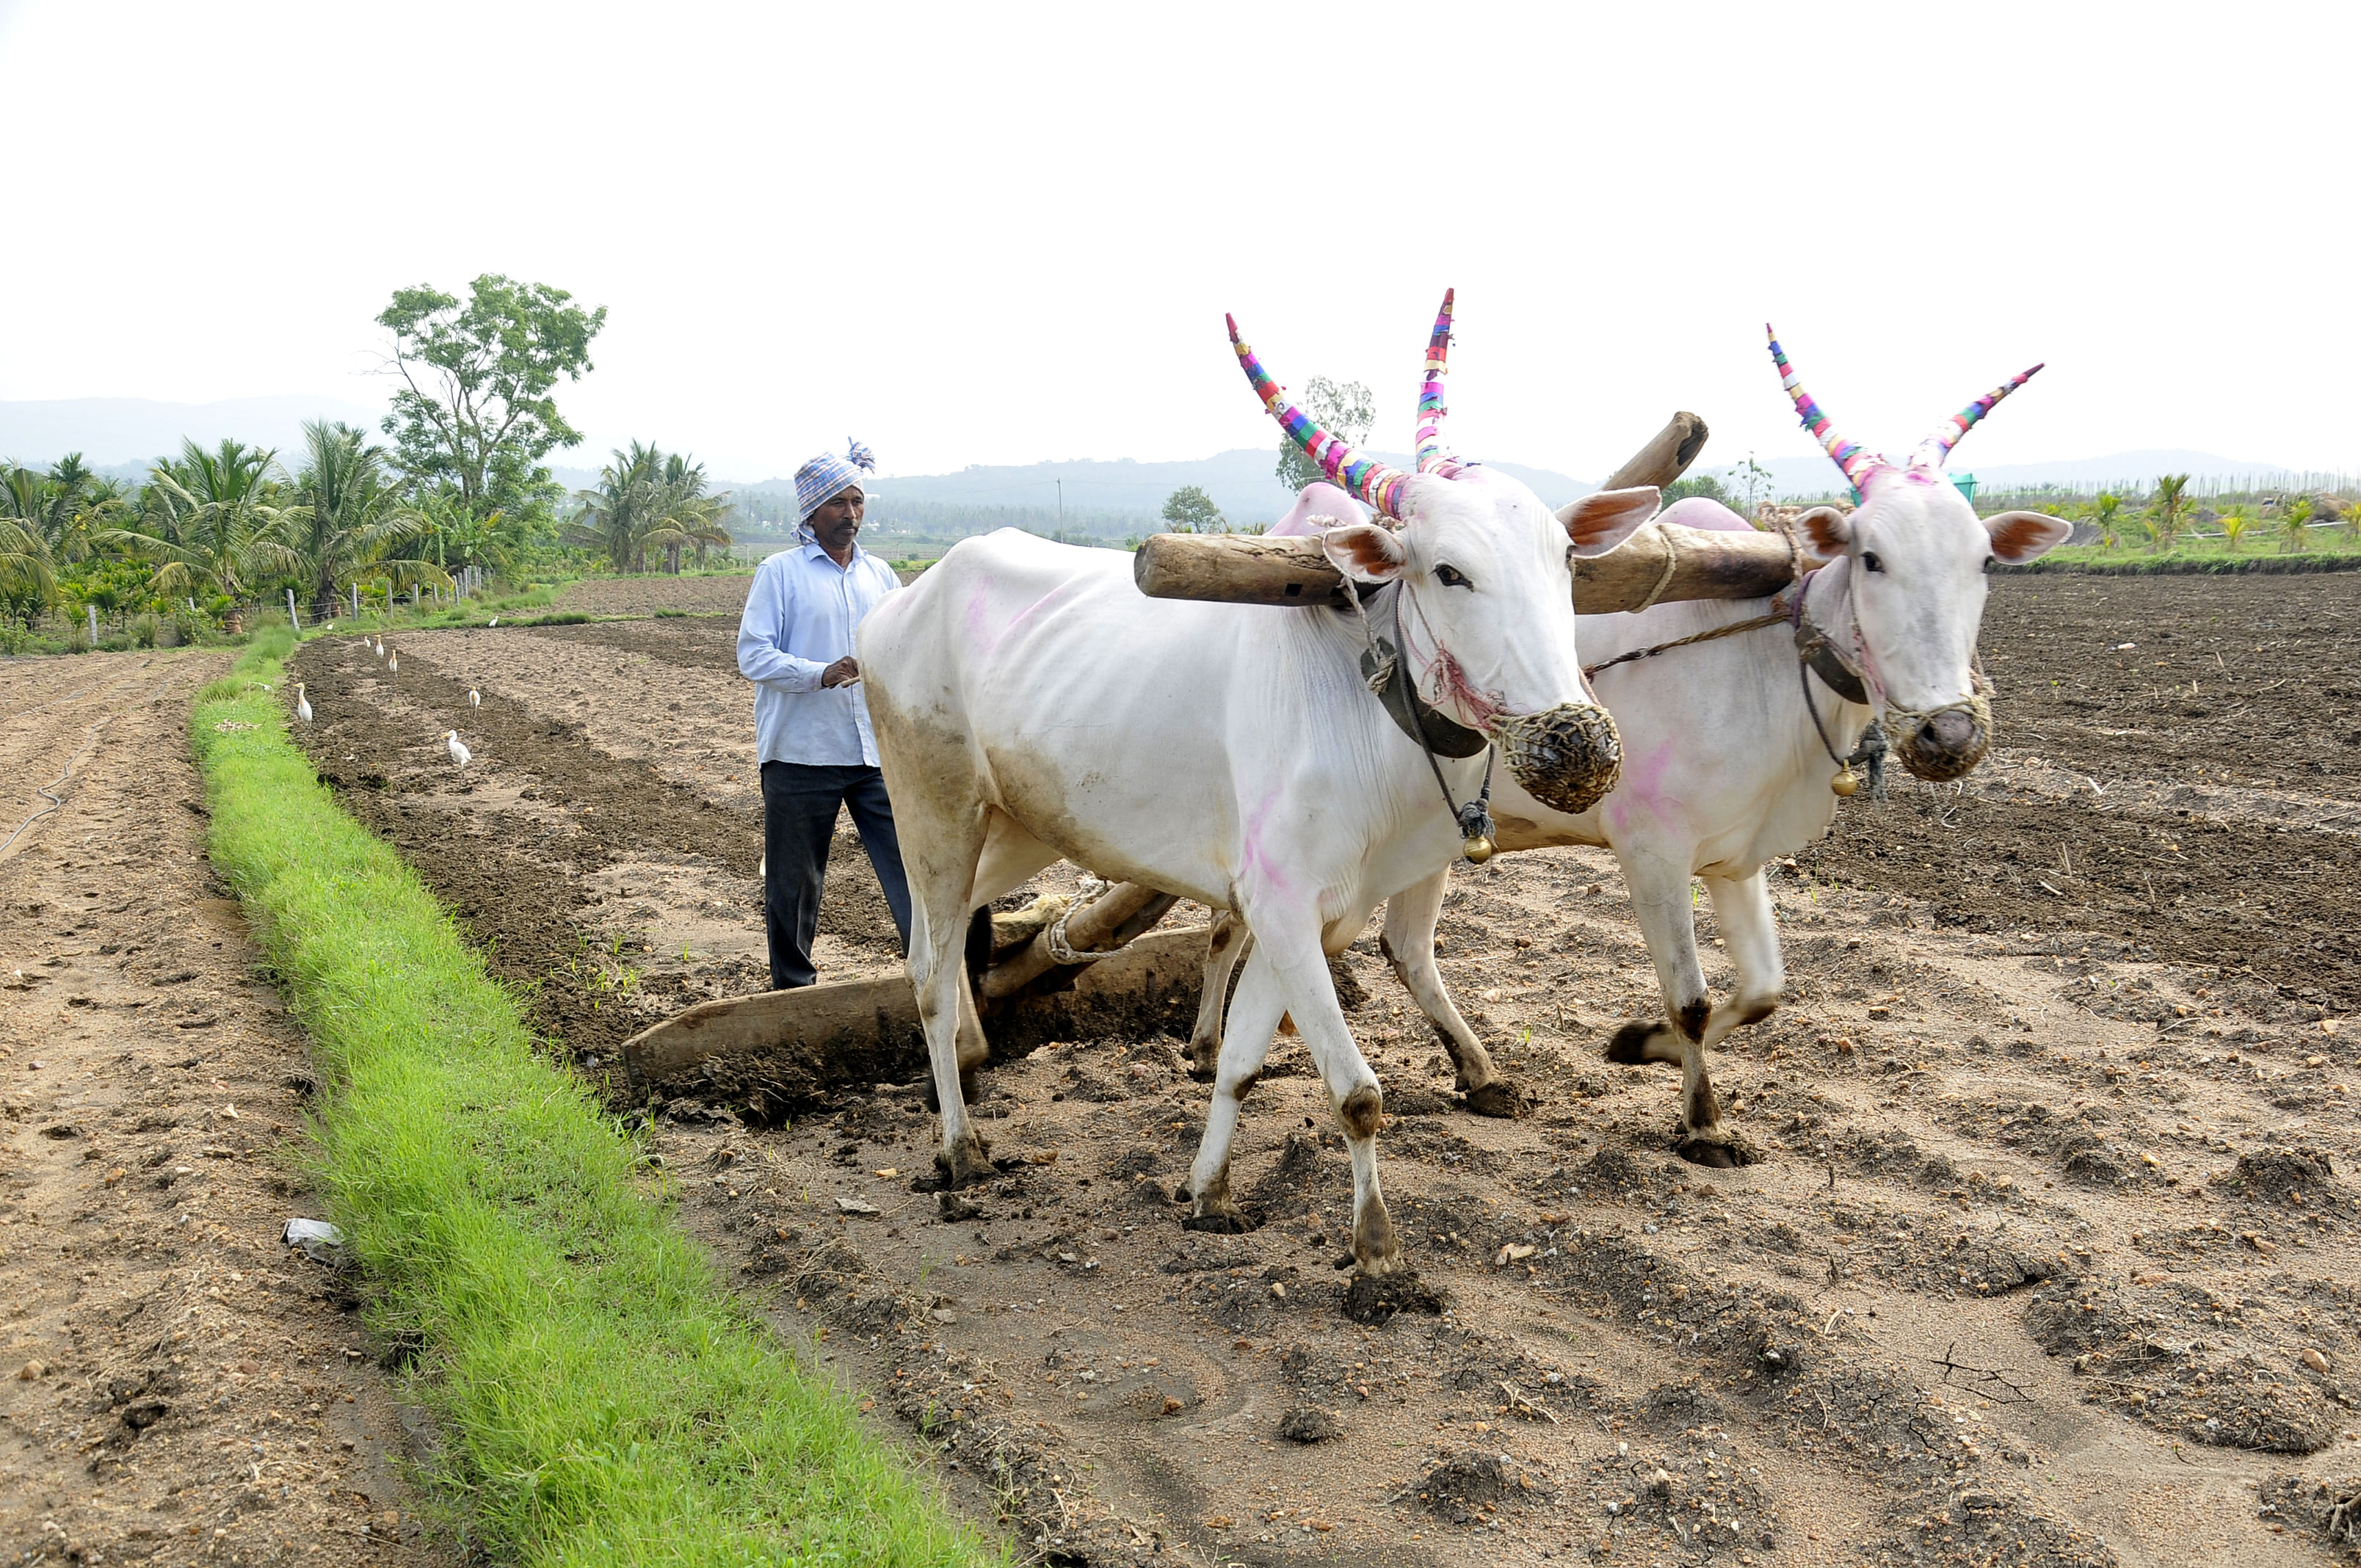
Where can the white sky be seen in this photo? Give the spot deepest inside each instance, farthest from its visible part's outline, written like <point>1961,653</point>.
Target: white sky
<point>1000,233</point>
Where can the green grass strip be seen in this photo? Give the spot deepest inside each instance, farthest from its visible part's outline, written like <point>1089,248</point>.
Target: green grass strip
<point>604,1399</point>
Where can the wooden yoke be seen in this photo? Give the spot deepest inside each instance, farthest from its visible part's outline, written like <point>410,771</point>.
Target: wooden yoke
<point>1660,561</point>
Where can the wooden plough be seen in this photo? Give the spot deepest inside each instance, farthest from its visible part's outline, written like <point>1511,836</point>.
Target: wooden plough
<point>782,1047</point>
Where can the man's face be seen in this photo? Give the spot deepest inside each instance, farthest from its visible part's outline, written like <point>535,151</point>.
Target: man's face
<point>839,519</point>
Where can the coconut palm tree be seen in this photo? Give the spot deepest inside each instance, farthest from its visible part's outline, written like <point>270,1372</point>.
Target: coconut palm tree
<point>684,516</point>
<point>648,500</point>
<point>615,517</point>
<point>2169,513</point>
<point>2106,516</point>
<point>348,520</point>
<point>230,522</point>
<point>29,582</point>
<point>2294,522</point>
<point>2235,521</point>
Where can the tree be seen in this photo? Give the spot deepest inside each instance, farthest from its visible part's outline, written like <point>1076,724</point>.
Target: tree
<point>2169,513</point>
<point>646,499</point>
<point>474,413</point>
<point>2294,520</point>
<point>2106,516</point>
<point>228,521</point>
<point>1190,509</point>
<point>29,582</point>
<point>349,518</point>
<point>2235,520</point>
<point>1343,410</point>
<point>1700,484</point>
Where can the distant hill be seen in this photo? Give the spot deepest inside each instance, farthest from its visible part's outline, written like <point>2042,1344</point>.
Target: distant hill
<point>1241,482</point>
<point>133,431</point>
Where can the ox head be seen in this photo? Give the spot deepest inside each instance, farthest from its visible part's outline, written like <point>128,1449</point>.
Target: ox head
<point>1483,576</point>
<point>1913,556</point>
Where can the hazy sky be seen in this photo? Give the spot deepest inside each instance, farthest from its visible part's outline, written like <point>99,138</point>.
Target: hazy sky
<point>1000,233</point>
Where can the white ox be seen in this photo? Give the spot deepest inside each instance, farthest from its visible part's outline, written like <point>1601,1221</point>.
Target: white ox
<point>1029,704</point>
<point>1726,767</point>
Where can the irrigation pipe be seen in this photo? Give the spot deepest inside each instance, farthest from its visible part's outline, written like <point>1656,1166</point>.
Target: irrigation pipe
<point>44,791</point>
<point>47,791</point>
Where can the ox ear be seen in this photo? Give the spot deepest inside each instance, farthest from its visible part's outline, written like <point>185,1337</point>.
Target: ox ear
<point>2021,536</point>
<point>1826,531</point>
<point>1604,518</point>
<point>1364,552</point>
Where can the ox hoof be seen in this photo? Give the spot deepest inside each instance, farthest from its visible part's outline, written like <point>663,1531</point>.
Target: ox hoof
<point>1716,1151</point>
<point>967,1163</point>
<point>1502,1097</point>
<point>1629,1045</point>
<point>1232,1223</point>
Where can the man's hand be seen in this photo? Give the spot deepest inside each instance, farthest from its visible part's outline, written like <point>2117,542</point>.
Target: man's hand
<point>844,672</point>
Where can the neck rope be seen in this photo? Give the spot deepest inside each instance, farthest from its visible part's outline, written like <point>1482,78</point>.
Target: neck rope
<point>1384,669</point>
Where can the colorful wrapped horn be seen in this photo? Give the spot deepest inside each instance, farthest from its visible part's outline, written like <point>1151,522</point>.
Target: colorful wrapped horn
<point>1858,462</point>
<point>1933,451</point>
<point>1433,456</point>
<point>1364,478</point>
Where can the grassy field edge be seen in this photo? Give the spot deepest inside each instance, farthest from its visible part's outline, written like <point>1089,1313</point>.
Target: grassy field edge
<point>603,1397</point>
<point>2082,559</point>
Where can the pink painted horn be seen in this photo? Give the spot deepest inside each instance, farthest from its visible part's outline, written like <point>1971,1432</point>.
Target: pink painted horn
<point>1433,457</point>
<point>1859,463</point>
<point>1936,448</point>
<point>1364,478</point>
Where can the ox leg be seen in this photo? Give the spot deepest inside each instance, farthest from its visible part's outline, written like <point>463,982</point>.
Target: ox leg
<point>1408,943</point>
<point>1296,957</point>
<point>1246,1042</point>
<point>940,858</point>
<point>1660,899</point>
<point>1224,947</point>
<point>1741,906</point>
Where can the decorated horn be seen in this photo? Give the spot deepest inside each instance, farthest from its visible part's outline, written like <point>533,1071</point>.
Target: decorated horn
<point>1936,448</point>
<point>1365,478</point>
<point>1433,456</point>
<point>1857,461</point>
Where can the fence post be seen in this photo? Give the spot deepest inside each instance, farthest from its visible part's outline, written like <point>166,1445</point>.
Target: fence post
<point>93,623</point>
<point>291,613</point>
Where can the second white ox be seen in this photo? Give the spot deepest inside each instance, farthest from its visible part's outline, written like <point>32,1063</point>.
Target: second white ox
<point>1030,705</point>
<point>1730,745</point>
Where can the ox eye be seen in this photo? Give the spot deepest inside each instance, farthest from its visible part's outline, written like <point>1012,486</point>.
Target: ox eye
<point>1452,577</point>
<point>1870,563</point>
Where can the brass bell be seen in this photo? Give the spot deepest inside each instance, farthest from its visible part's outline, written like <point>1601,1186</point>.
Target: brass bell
<point>1847,781</point>
<point>1477,847</point>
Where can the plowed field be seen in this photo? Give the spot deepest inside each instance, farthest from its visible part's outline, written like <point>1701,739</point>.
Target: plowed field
<point>2050,1255</point>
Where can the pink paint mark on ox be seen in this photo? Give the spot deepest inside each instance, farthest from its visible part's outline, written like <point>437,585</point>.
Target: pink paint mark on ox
<point>1252,861</point>
<point>1642,788</point>
<point>985,637</point>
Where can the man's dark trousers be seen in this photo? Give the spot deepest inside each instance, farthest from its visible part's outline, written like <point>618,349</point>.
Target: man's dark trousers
<point>799,802</point>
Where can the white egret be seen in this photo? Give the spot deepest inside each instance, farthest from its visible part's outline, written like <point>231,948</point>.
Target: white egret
<point>475,697</point>
<point>380,647</point>
<point>459,753</point>
<point>303,706</point>
<point>394,662</point>
<point>496,620</point>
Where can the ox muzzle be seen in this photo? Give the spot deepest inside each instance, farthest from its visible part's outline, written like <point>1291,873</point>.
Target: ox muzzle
<point>1566,757</point>
<point>1941,745</point>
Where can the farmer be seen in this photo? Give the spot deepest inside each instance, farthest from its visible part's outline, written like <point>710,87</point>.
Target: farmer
<point>811,727</point>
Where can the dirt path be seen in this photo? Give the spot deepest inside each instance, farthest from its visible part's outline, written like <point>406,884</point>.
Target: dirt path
<point>176,1386</point>
<point>2048,1257</point>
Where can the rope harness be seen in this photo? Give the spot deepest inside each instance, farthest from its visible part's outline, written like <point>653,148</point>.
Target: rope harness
<point>1815,653</point>
<point>1387,675</point>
